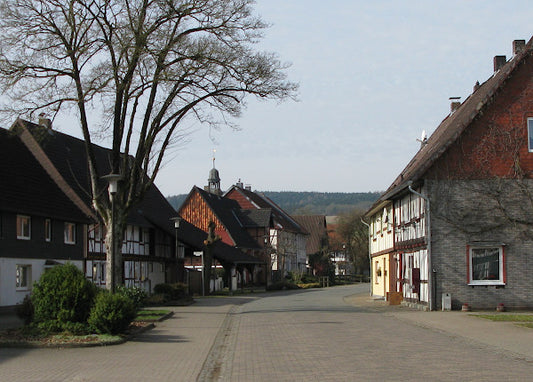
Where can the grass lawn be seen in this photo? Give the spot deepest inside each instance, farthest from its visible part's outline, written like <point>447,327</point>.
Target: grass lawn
<point>507,317</point>
<point>150,314</point>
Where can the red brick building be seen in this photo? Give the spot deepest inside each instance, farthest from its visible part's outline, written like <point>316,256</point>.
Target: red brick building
<point>461,212</point>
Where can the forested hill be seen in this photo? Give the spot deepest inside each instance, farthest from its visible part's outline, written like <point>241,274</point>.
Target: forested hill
<point>310,203</point>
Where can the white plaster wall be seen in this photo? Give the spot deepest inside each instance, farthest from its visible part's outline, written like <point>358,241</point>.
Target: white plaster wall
<point>9,295</point>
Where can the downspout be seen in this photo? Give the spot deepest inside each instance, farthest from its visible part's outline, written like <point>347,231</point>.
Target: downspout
<point>369,257</point>
<point>428,244</point>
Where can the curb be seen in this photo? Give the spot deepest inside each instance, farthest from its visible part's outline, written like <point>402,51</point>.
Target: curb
<point>120,341</point>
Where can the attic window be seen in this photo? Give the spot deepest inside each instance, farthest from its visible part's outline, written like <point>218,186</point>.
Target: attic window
<point>530,134</point>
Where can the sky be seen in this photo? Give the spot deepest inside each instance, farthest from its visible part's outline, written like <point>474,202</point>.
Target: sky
<point>373,75</point>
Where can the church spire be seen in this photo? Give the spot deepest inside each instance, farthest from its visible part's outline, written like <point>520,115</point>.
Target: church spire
<point>213,182</point>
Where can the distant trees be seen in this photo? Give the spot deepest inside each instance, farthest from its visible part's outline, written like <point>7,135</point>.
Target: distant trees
<point>311,203</point>
<point>352,236</point>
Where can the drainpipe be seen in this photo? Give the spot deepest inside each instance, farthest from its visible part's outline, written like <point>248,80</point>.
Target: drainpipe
<point>428,238</point>
<point>369,257</point>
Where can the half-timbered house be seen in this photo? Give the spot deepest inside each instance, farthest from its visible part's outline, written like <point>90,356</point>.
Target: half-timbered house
<point>462,209</point>
<point>284,237</point>
<point>201,208</point>
<point>39,225</point>
<point>148,248</point>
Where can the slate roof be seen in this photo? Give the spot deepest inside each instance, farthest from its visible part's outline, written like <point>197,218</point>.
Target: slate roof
<point>26,188</point>
<point>67,154</point>
<point>255,218</point>
<point>454,125</point>
<point>316,226</point>
<point>281,219</point>
<point>194,237</point>
<point>228,212</point>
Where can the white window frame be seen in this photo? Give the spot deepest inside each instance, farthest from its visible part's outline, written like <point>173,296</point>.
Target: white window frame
<point>21,234</point>
<point>530,134</point>
<point>48,230</point>
<point>23,277</point>
<point>501,264</point>
<point>69,233</point>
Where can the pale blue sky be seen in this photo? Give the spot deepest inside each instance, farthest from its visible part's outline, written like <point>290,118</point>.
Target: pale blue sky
<point>372,74</point>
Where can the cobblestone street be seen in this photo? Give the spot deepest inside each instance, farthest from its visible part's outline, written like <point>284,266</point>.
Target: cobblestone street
<point>331,334</point>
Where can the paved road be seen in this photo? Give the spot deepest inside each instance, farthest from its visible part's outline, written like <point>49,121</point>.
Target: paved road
<point>317,336</point>
<point>334,334</point>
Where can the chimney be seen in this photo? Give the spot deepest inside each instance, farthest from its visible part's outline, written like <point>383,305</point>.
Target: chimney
<point>499,61</point>
<point>248,187</point>
<point>455,103</point>
<point>476,86</point>
<point>239,183</point>
<point>518,46</point>
<point>45,122</point>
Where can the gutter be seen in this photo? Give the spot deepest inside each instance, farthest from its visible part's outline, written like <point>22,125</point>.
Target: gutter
<point>431,271</point>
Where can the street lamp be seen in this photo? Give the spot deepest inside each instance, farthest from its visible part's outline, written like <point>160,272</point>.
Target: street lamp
<point>112,189</point>
<point>177,221</point>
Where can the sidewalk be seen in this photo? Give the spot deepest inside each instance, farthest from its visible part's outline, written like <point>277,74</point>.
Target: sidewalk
<point>176,349</point>
<point>504,336</point>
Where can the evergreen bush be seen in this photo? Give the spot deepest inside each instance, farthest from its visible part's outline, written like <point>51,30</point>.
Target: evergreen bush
<point>112,313</point>
<point>282,285</point>
<point>135,294</point>
<point>171,291</point>
<point>62,295</point>
<point>25,310</point>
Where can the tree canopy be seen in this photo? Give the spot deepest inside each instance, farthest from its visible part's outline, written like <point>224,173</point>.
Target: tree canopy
<point>134,71</point>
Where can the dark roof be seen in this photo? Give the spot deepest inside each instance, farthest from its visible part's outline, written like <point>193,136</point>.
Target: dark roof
<point>228,212</point>
<point>68,155</point>
<point>281,219</point>
<point>317,228</point>
<point>27,188</point>
<point>255,218</point>
<point>454,125</point>
<point>194,237</point>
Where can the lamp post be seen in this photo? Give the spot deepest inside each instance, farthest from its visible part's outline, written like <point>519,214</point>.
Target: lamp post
<point>177,221</point>
<point>112,189</point>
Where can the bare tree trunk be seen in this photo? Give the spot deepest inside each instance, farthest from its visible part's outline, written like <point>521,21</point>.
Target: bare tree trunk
<point>113,243</point>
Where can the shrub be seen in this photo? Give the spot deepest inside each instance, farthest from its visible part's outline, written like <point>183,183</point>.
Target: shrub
<point>282,285</point>
<point>135,294</point>
<point>112,313</point>
<point>156,299</point>
<point>307,279</point>
<point>25,310</point>
<point>62,295</point>
<point>171,291</point>
<point>165,289</point>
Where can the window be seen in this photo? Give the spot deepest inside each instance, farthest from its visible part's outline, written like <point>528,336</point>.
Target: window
<point>486,265</point>
<point>23,277</point>
<point>98,272</point>
<point>23,227</point>
<point>70,233</point>
<point>47,230</point>
<point>530,134</point>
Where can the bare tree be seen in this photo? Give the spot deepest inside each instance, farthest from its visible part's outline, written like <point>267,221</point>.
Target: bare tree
<point>136,69</point>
